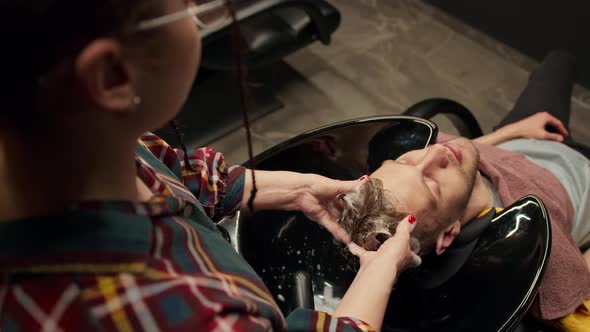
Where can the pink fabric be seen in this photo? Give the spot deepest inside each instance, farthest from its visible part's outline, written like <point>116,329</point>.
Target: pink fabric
<point>567,280</point>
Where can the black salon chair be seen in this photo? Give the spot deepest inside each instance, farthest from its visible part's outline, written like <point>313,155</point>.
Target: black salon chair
<point>467,126</point>
<point>271,30</point>
<point>485,282</point>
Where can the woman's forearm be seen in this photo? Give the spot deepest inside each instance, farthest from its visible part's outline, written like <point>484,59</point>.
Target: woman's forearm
<point>276,190</point>
<point>368,295</point>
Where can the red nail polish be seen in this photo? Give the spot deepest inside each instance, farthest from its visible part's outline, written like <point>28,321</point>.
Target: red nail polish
<point>412,219</point>
<point>363,178</point>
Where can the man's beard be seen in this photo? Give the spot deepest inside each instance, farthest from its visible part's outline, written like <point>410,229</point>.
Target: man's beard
<point>469,169</point>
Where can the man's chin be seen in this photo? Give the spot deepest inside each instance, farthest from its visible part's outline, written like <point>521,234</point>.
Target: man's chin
<point>470,162</point>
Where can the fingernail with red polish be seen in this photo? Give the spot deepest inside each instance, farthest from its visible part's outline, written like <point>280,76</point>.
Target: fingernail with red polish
<point>363,178</point>
<point>412,219</point>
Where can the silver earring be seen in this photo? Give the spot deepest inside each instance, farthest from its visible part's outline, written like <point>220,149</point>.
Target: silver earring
<point>135,101</point>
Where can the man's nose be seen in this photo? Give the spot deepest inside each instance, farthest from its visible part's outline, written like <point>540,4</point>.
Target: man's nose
<point>435,158</point>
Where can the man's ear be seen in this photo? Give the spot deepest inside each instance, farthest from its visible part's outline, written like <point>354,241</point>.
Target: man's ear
<point>104,76</point>
<point>447,237</point>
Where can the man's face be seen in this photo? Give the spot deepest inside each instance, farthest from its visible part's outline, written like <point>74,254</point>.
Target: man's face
<point>434,183</point>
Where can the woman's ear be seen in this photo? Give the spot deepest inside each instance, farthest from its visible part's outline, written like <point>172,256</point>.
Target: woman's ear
<point>104,76</point>
<point>447,237</point>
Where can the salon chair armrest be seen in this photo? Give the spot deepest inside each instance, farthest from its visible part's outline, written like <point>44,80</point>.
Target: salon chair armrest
<point>458,114</point>
<point>310,7</point>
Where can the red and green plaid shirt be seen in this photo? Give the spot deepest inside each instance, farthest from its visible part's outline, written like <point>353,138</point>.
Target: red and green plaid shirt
<point>160,265</point>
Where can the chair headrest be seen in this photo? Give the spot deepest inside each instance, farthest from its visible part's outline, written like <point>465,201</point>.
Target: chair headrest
<point>488,278</point>
<point>436,270</point>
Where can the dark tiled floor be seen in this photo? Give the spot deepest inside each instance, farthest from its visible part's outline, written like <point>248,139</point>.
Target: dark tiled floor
<point>387,55</point>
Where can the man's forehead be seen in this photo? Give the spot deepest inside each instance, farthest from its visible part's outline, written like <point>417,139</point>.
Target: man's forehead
<point>409,194</point>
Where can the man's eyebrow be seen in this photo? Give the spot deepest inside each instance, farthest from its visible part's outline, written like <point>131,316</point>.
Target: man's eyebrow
<point>423,180</point>
<point>432,196</point>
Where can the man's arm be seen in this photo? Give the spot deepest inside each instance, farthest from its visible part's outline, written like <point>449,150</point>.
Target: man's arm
<point>534,126</point>
<point>501,135</point>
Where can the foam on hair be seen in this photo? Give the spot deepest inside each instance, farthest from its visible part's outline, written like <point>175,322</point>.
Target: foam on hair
<point>369,215</point>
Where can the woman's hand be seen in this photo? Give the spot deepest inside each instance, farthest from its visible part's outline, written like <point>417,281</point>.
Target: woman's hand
<point>367,297</point>
<point>314,195</point>
<point>320,204</point>
<point>396,249</point>
<point>534,126</point>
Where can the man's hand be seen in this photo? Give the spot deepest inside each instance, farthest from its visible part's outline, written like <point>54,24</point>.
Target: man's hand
<point>534,126</point>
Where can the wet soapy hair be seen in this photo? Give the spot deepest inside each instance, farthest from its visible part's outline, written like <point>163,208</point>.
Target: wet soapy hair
<point>370,217</point>
<point>369,214</point>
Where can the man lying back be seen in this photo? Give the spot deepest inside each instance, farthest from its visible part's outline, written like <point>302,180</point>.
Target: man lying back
<point>448,184</point>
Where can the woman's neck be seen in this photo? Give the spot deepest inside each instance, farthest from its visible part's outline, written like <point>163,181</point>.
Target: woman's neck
<point>44,176</point>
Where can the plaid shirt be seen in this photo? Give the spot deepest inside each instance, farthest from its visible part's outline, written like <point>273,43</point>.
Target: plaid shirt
<point>161,265</point>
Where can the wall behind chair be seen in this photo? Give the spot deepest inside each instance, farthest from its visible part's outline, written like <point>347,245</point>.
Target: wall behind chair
<point>533,27</point>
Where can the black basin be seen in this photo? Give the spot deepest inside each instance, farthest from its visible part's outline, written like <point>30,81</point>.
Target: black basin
<point>278,244</point>
<point>490,290</point>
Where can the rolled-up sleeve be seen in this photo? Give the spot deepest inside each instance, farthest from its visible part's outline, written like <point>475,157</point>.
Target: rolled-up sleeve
<point>217,186</point>
<point>309,320</point>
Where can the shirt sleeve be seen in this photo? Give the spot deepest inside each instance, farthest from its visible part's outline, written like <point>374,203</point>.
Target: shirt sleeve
<point>302,320</point>
<point>217,186</point>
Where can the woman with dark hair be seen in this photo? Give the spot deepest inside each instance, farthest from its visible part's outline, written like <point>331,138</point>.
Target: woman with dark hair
<point>100,230</point>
